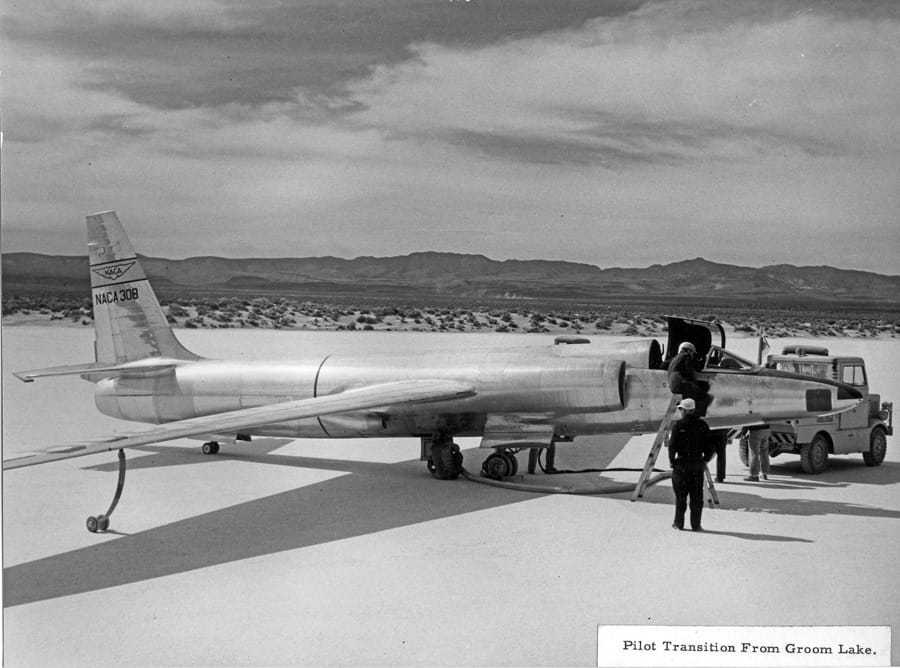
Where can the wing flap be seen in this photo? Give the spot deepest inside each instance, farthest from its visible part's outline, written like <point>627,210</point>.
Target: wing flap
<point>373,396</point>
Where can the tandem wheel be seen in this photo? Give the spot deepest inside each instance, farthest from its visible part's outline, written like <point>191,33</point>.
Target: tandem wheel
<point>445,462</point>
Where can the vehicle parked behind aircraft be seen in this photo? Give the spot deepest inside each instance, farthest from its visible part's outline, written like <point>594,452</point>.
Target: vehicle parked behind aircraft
<point>863,429</point>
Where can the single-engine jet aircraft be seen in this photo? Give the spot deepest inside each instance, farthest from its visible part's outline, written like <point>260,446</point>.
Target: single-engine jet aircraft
<point>512,399</point>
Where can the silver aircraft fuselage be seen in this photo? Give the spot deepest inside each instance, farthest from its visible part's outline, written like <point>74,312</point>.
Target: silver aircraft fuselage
<point>573,389</point>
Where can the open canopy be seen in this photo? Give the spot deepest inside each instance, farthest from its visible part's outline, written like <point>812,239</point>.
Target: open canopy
<point>701,333</point>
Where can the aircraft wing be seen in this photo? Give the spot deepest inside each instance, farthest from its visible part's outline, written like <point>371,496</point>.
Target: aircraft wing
<point>761,420</point>
<point>736,421</point>
<point>372,396</point>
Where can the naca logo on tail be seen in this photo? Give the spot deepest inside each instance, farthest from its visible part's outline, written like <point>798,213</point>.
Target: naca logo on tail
<point>114,271</point>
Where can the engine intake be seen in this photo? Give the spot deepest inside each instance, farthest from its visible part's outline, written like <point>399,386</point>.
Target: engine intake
<point>640,354</point>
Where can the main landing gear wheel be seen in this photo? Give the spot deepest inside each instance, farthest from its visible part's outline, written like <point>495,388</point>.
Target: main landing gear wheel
<point>210,448</point>
<point>446,460</point>
<point>101,522</point>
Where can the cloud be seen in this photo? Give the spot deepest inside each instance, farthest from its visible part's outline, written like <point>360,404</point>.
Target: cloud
<point>172,55</point>
<point>674,130</point>
<point>658,80</point>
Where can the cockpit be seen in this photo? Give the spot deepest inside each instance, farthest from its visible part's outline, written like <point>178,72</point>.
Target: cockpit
<point>710,356</point>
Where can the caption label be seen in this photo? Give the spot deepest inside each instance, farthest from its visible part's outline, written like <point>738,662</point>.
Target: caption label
<point>743,646</point>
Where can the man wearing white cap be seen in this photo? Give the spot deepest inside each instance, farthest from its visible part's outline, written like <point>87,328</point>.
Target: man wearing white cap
<point>691,446</point>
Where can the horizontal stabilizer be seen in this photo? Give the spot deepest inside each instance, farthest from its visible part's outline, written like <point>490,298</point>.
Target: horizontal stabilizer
<point>382,396</point>
<point>61,452</point>
<point>140,367</point>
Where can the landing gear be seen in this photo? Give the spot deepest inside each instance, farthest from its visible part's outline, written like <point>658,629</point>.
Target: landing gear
<point>445,462</point>
<point>501,464</point>
<point>210,448</point>
<point>101,522</point>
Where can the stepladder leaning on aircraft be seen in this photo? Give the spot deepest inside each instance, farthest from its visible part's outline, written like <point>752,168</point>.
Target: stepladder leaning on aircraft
<point>530,397</point>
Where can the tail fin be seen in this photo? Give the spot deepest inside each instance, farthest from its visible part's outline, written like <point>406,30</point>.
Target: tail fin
<point>128,322</point>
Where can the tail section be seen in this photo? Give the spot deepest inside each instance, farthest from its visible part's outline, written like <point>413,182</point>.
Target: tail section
<point>129,323</point>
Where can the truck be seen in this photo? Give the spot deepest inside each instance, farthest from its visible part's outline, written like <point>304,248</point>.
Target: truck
<point>863,428</point>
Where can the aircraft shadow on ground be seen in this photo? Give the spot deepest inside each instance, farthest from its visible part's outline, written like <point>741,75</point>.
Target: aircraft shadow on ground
<point>373,497</point>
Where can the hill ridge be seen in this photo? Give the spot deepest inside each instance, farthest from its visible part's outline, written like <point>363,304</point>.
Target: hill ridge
<point>475,275</point>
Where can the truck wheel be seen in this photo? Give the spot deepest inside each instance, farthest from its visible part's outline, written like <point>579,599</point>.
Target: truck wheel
<point>744,451</point>
<point>877,447</point>
<point>814,455</point>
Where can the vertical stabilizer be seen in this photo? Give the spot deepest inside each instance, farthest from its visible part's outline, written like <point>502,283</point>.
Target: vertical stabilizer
<point>128,321</point>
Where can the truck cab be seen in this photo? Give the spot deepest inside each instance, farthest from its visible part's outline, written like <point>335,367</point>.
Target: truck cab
<point>863,428</point>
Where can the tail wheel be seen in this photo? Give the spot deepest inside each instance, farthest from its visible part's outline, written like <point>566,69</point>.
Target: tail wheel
<point>814,455</point>
<point>877,447</point>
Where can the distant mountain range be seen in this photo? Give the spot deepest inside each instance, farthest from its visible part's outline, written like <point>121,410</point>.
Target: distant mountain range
<point>466,277</point>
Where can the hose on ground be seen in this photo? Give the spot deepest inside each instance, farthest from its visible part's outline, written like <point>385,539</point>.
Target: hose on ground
<point>555,471</point>
<point>608,488</point>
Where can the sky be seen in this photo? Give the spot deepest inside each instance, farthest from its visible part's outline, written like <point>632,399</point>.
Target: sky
<point>616,133</point>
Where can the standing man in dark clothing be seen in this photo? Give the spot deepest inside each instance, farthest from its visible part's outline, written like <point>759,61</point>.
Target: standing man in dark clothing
<point>690,448</point>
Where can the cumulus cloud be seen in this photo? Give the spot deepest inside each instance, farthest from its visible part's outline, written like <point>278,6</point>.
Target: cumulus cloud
<point>659,80</point>
<point>674,130</point>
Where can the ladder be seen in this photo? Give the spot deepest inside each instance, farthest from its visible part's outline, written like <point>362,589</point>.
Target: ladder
<point>709,490</point>
<point>655,448</point>
<point>710,493</point>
